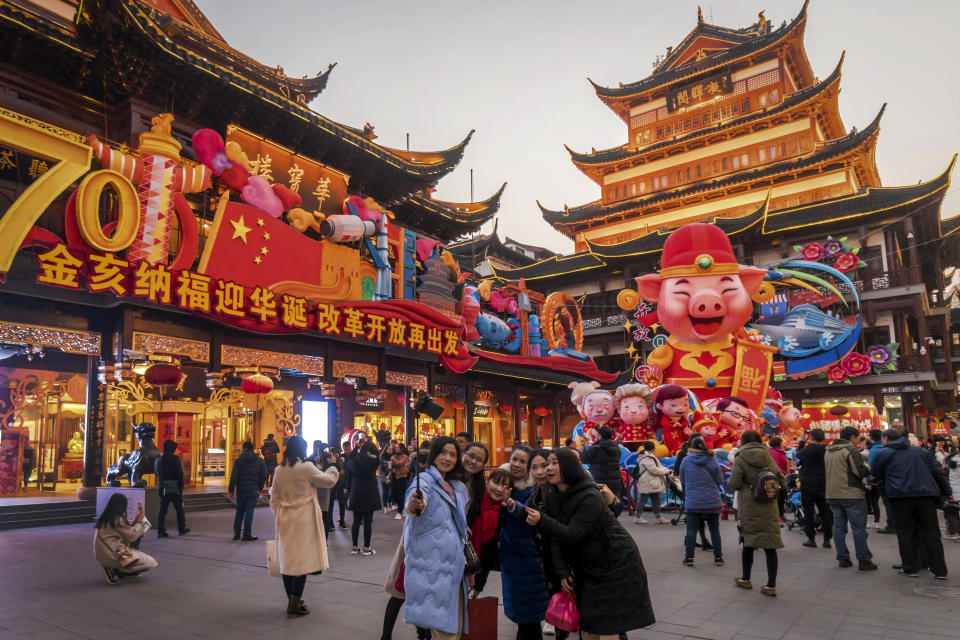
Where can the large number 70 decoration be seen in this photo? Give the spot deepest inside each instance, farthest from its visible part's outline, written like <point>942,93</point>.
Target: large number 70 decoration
<point>161,180</point>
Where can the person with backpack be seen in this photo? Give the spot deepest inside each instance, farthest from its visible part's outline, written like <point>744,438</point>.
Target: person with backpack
<point>758,480</point>
<point>846,497</point>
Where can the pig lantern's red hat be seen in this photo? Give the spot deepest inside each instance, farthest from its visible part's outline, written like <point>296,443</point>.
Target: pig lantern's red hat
<point>698,249</point>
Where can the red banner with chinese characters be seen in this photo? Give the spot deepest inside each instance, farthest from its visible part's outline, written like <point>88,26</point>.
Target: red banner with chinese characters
<point>753,369</point>
<point>399,323</point>
<point>818,416</point>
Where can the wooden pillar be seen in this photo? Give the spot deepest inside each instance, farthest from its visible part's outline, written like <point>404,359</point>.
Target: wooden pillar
<point>516,415</point>
<point>948,347</point>
<point>556,420</point>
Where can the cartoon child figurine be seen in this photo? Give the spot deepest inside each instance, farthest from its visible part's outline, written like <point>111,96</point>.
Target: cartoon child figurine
<point>790,421</point>
<point>633,405</point>
<point>735,416</point>
<point>579,391</point>
<point>598,410</point>
<point>705,423</point>
<point>673,405</point>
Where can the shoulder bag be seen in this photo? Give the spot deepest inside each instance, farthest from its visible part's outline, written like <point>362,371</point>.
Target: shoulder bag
<point>124,555</point>
<point>471,559</point>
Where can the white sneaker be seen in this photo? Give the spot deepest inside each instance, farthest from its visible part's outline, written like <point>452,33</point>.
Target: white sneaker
<point>639,520</point>
<point>548,629</point>
<point>398,516</point>
<point>660,520</point>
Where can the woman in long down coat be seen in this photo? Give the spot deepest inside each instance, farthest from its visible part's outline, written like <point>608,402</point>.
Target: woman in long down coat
<point>434,580</point>
<point>593,555</point>
<point>759,520</point>
<point>301,543</point>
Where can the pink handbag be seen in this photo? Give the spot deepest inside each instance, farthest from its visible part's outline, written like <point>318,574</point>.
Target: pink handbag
<point>563,613</point>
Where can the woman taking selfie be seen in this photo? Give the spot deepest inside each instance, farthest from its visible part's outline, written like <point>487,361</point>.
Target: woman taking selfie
<point>593,555</point>
<point>433,539</point>
<point>115,539</point>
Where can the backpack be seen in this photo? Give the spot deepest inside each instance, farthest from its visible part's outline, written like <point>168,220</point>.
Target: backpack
<point>766,486</point>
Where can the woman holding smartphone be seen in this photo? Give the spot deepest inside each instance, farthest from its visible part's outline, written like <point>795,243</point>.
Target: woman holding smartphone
<point>116,542</point>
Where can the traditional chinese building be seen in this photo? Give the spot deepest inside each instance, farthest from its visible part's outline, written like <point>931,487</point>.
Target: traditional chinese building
<point>734,128</point>
<point>170,201</point>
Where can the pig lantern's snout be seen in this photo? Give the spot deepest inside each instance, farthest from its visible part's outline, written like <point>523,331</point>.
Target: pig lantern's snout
<point>708,303</point>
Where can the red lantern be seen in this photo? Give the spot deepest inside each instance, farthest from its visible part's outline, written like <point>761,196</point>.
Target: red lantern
<point>456,404</point>
<point>941,414</point>
<point>343,390</point>
<point>541,411</point>
<point>506,408</point>
<point>163,375</point>
<point>257,383</point>
<point>921,411</point>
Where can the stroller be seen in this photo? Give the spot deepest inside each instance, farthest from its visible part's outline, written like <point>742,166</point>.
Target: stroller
<point>676,487</point>
<point>794,504</point>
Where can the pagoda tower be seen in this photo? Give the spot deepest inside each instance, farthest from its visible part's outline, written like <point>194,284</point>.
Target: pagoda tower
<point>727,116</point>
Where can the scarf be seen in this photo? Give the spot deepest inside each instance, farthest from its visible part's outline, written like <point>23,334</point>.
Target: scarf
<point>485,526</point>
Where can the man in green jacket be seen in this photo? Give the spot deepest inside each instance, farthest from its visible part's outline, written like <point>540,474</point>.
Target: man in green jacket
<point>846,497</point>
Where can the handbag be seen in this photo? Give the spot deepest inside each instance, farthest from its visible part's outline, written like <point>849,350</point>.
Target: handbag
<point>471,559</point>
<point>273,562</point>
<point>124,555</point>
<point>563,613</point>
<point>170,487</point>
<point>482,619</point>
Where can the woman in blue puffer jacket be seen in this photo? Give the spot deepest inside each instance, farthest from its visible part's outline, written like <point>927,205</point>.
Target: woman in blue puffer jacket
<point>525,595</point>
<point>434,580</point>
<point>700,474</point>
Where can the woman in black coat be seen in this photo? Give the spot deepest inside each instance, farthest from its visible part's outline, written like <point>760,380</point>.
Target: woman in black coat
<point>364,494</point>
<point>593,555</point>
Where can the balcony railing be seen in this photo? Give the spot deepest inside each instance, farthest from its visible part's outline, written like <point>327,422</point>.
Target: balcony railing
<point>605,320</point>
<point>910,363</point>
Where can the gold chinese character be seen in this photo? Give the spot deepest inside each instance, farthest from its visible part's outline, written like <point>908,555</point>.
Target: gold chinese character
<point>696,92</point>
<point>230,299</point>
<point>398,331</point>
<point>294,311</point>
<point>6,159</point>
<point>37,168</point>
<point>353,325</point>
<point>434,341</point>
<point>152,282</point>
<point>60,267</point>
<point>322,191</point>
<point>296,175</point>
<point>263,304</point>
<point>416,336</point>
<point>375,327</point>
<point>752,378</point>
<point>107,274</point>
<point>261,167</point>
<point>683,97</point>
<point>451,342</point>
<point>713,87</point>
<point>194,291</point>
<point>328,319</point>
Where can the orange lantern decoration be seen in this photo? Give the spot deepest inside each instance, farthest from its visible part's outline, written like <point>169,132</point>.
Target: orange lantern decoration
<point>541,411</point>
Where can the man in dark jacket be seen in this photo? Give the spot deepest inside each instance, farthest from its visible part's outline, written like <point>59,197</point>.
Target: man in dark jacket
<point>247,479</point>
<point>846,497</point>
<point>914,485</point>
<point>604,460</point>
<point>813,489</point>
<point>270,450</point>
<point>169,472</point>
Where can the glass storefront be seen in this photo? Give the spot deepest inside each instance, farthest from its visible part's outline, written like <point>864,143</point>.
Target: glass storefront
<point>493,421</point>
<point>862,414</point>
<point>44,416</point>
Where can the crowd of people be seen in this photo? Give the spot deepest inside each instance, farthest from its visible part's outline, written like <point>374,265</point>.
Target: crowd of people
<point>547,520</point>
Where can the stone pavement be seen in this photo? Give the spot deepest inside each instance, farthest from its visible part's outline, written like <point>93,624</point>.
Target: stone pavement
<point>208,586</point>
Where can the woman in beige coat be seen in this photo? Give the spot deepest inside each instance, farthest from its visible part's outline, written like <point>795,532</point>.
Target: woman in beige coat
<point>115,539</point>
<point>301,544</point>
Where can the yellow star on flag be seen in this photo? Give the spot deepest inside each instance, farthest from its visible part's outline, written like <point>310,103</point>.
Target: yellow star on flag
<point>264,250</point>
<point>258,260</point>
<point>240,230</point>
<point>260,222</point>
<point>266,236</point>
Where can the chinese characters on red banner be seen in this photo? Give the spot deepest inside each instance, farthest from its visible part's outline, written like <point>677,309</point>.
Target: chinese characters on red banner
<point>65,267</point>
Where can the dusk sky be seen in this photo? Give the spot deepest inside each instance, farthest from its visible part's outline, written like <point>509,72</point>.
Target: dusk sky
<point>516,72</point>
